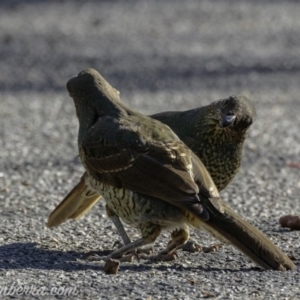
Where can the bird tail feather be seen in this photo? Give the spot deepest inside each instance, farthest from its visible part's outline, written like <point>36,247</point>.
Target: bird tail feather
<point>230,227</point>
<point>76,204</point>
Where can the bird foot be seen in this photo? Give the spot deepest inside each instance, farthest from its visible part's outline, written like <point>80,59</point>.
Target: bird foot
<point>125,258</point>
<point>161,257</point>
<point>212,248</point>
<point>191,246</point>
<point>145,250</point>
<point>96,257</point>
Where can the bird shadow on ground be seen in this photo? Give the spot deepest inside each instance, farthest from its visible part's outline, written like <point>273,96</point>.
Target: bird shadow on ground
<point>149,266</point>
<point>33,256</point>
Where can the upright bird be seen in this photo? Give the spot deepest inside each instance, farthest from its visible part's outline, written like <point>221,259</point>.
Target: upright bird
<point>151,179</point>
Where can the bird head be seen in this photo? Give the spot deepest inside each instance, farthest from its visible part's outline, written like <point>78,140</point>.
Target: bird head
<point>91,91</point>
<point>226,120</point>
<point>235,113</point>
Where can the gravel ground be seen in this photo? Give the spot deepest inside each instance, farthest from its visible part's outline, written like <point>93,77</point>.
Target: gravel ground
<point>161,55</point>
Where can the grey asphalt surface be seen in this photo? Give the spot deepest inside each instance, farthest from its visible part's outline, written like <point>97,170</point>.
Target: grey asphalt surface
<point>161,55</point>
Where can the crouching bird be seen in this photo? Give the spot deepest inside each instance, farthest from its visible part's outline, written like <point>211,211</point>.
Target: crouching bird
<point>152,180</point>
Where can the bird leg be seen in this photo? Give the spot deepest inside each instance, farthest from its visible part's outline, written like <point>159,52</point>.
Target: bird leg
<point>179,238</point>
<point>190,246</point>
<point>120,252</point>
<point>126,240</point>
<point>125,249</point>
<point>149,231</point>
<point>117,222</point>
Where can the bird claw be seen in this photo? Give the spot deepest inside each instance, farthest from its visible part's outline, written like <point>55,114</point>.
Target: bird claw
<point>96,257</point>
<point>161,257</point>
<point>212,248</point>
<point>191,246</point>
<point>125,258</point>
<point>145,250</point>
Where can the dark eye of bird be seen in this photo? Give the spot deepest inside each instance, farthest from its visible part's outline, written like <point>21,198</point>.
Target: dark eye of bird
<point>225,102</point>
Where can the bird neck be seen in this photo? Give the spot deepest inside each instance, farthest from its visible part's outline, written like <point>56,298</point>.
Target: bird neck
<point>87,118</point>
<point>89,114</point>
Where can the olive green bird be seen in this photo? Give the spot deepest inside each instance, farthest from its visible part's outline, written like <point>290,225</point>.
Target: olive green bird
<point>215,132</point>
<point>152,180</point>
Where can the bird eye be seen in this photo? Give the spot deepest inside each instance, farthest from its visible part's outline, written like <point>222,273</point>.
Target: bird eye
<point>227,102</point>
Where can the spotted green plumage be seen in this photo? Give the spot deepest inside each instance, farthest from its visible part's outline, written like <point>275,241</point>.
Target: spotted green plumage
<point>218,143</point>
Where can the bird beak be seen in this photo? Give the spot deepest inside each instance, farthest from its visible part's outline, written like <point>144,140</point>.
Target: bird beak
<point>228,120</point>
